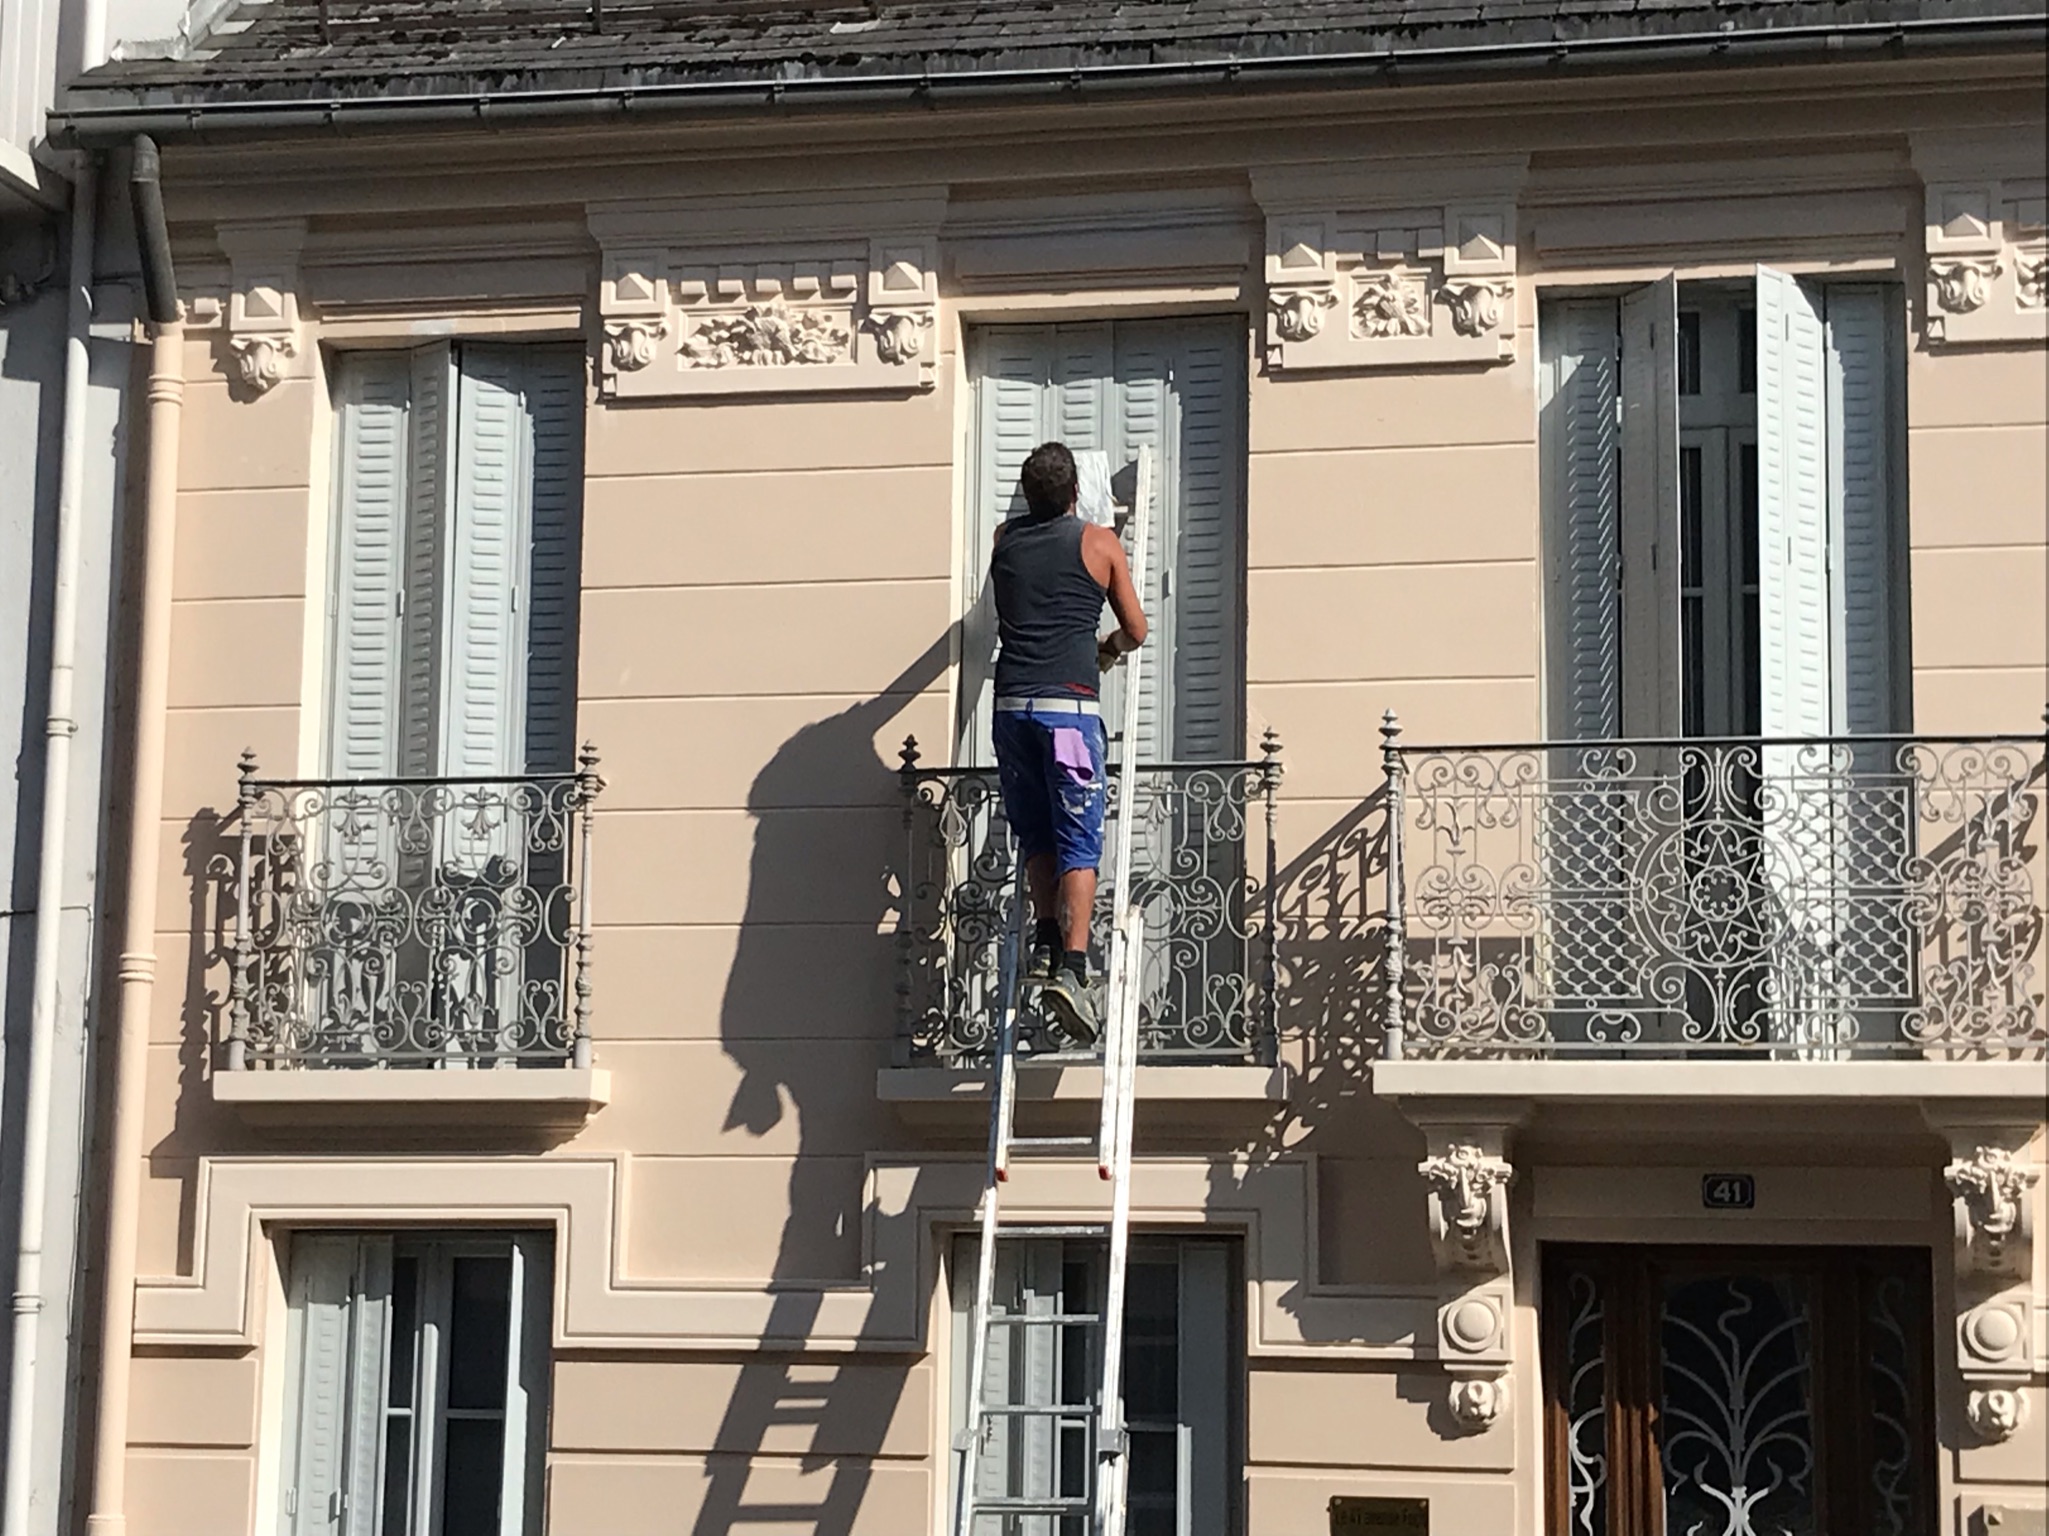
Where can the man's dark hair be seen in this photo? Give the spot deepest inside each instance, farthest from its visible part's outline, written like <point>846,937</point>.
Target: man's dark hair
<point>1048,480</point>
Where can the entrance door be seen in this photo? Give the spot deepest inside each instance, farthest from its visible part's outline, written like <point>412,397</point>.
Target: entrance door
<point>1737,1392</point>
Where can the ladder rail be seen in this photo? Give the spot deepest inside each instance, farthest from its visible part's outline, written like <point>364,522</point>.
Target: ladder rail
<point>1124,988</point>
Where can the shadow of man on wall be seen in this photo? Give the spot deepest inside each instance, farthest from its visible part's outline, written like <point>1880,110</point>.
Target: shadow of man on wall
<point>814,959</point>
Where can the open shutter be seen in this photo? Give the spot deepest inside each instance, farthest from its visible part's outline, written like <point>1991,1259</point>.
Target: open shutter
<point>487,545</point>
<point>1796,660</point>
<point>1203,563</point>
<point>1801,808</point>
<point>369,1357</point>
<point>554,400</point>
<point>429,495</point>
<point>368,589</point>
<point>1860,493</point>
<point>526,1386</point>
<point>1581,474</point>
<point>323,1273</point>
<point>1651,691</point>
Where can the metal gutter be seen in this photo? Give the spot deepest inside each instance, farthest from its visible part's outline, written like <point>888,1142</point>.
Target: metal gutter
<point>1390,66</point>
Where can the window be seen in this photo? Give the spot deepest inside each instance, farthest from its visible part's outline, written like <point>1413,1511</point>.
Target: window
<point>1732,1390</point>
<point>1182,1360</point>
<point>418,1379</point>
<point>1177,386</point>
<point>459,483</point>
<point>1724,546</point>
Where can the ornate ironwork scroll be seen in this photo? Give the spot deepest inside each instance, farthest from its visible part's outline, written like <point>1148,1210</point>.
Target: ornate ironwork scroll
<point>412,922</point>
<point>1201,870</point>
<point>1808,899</point>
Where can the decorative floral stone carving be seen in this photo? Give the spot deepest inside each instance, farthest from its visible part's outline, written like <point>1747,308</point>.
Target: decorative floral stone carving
<point>1991,1188</point>
<point>260,359</point>
<point>899,335</point>
<point>1997,1413</point>
<point>2031,281</point>
<point>1476,1402</point>
<point>630,344</point>
<point>1476,304</point>
<point>1298,316</point>
<point>1391,303</point>
<point>1469,1210</point>
<point>1963,283</point>
<point>767,335</point>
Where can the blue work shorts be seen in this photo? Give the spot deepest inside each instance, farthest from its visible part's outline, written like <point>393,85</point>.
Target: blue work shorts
<point>1050,767</point>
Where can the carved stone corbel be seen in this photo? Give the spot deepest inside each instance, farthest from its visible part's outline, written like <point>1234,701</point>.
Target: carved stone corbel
<point>1467,1177</point>
<point>1986,232</point>
<point>263,322</point>
<point>630,341</point>
<point>1991,1183</point>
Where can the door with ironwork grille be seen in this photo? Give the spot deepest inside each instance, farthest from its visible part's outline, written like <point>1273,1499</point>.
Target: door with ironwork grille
<point>1737,1392</point>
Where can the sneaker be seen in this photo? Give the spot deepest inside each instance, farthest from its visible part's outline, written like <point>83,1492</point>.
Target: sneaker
<point>1065,997</point>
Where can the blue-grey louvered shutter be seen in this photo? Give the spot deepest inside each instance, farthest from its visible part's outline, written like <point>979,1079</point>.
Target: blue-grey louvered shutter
<point>429,495</point>
<point>554,408</point>
<point>1860,476</point>
<point>1581,452</point>
<point>1012,367</point>
<point>1651,684</point>
<point>487,558</point>
<point>1145,418</point>
<point>1204,562</point>
<point>1794,600</point>
<point>371,499</point>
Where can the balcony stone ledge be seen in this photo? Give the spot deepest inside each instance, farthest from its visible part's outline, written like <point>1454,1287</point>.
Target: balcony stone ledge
<point>1193,1095</point>
<point>537,1099</point>
<point>1815,1082</point>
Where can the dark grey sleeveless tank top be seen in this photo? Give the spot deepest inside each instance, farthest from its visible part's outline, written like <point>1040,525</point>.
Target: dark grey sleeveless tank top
<point>1047,610</point>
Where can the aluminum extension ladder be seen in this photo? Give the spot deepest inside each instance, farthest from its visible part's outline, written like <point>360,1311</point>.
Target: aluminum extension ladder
<point>977,1514</point>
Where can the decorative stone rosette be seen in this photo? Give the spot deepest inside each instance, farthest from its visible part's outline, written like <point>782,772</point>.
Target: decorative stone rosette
<point>795,316</point>
<point>1395,288</point>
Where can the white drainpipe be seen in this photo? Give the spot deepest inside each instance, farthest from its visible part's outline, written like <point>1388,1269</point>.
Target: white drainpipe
<point>60,725</point>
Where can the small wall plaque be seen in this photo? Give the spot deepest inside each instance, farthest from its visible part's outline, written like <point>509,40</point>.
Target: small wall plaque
<point>1351,1515</point>
<point>1728,1191</point>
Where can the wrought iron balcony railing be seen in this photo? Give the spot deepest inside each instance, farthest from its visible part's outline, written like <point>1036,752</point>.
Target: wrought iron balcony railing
<point>1202,868</point>
<point>1809,899</point>
<point>412,922</point>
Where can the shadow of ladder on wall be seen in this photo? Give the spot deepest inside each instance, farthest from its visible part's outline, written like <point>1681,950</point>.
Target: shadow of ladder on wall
<point>1006,1463</point>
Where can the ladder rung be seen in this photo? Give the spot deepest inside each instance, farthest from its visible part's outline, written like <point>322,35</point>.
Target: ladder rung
<point>1022,1506</point>
<point>1005,1231</point>
<point>1042,1319</point>
<point>1060,1059</point>
<point>1051,1143</point>
<point>1076,1413</point>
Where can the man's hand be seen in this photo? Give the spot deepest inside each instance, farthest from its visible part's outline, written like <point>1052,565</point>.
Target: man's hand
<point>1108,652</point>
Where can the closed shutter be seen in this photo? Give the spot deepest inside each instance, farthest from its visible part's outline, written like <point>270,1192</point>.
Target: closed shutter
<point>1206,1347</point>
<point>370,565</point>
<point>1146,416</point>
<point>1860,458</point>
<point>1651,685</point>
<point>1796,660</point>
<point>1204,562</point>
<point>1581,448</point>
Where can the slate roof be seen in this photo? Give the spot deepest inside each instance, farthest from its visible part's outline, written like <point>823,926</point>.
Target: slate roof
<point>285,51</point>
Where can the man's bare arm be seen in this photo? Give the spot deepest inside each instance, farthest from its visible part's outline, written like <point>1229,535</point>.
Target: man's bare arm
<point>1104,553</point>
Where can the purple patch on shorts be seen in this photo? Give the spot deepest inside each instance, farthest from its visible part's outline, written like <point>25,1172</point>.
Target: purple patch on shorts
<point>1071,751</point>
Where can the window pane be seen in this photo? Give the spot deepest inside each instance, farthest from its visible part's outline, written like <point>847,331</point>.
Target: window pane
<point>1152,1340</point>
<point>479,1324</point>
<point>1746,351</point>
<point>1893,1322</point>
<point>473,1470</point>
<point>1690,513</point>
<point>405,1322</point>
<point>398,1476</point>
<point>1689,351</point>
<point>1583,1395</point>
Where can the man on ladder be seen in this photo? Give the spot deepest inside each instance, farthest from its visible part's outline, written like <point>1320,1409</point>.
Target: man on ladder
<point>1051,572</point>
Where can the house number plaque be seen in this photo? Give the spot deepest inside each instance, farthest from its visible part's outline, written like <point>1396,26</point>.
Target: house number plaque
<point>1728,1191</point>
<point>1354,1516</point>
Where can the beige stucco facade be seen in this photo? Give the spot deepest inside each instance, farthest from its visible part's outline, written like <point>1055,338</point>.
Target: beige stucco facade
<point>762,1198</point>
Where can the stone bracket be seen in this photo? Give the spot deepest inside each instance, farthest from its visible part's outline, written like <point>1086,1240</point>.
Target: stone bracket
<point>1992,1180</point>
<point>1467,1174</point>
<point>265,341</point>
<point>1986,228</point>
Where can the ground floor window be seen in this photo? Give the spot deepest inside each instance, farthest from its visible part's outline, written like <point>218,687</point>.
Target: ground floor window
<point>417,1376</point>
<point>1738,1392</point>
<point>1183,1355</point>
